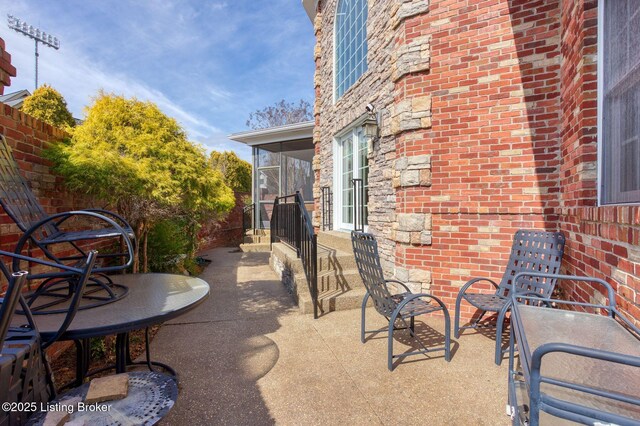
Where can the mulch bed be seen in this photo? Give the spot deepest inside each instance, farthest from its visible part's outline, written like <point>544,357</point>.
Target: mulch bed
<point>64,365</point>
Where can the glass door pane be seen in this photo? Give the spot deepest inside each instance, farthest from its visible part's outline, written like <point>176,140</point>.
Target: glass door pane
<point>346,180</point>
<point>363,172</point>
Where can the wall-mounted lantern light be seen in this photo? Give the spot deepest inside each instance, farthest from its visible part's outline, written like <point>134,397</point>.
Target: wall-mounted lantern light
<point>371,127</point>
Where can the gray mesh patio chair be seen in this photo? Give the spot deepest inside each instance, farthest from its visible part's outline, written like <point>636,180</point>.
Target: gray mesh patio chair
<point>532,251</point>
<point>45,231</point>
<point>394,307</point>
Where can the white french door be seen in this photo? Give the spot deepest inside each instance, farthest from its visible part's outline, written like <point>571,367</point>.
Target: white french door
<point>350,162</point>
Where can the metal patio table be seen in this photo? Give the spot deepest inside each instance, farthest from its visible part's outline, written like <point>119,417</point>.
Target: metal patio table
<point>152,299</point>
<point>574,365</point>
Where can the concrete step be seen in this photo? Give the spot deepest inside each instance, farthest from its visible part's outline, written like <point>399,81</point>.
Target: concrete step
<point>334,301</point>
<point>339,280</point>
<point>255,247</point>
<point>339,283</point>
<point>257,239</point>
<point>337,240</point>
<point>258,232</point>
<point>328,259</point>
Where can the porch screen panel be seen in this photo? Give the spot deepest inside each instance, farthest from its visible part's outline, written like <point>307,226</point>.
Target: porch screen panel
<point>297,172</point>
<point>620,131</point>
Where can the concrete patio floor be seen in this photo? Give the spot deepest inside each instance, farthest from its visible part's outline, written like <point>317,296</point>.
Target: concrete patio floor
<point>246,356</point>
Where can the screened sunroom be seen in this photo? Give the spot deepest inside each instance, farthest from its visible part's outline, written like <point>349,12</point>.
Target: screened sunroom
<point>282,164</point>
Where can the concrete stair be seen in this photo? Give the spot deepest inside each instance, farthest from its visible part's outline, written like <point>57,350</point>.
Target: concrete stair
<point>258,240</point>
<point>339,283</point>
<point>337,240</point>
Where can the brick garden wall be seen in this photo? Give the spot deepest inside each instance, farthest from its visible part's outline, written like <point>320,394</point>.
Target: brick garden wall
<point>27,137</point>
<point>228,232</point>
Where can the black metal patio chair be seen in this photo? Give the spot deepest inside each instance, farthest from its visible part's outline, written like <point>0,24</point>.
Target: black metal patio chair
<point>532,251</point>
<point>394,307</point>
<point>25,373</point>
<point>46,231</point>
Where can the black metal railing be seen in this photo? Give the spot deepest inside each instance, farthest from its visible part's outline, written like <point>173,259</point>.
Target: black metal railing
<point>248,221</point>
<point>291,224</point>
<point>327,208</point>
<point>358,205</point>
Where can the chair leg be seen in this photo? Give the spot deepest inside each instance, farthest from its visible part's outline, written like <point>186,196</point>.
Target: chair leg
<point>362,320</point>
<point>390,343</point>
<point>412,326</point>
<point>456,328</point>
<point>499,328</point>
<point>447,335</point>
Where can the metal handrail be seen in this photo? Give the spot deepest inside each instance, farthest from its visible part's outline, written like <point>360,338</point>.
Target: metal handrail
<point>292,225</point>
<point>249,211</point>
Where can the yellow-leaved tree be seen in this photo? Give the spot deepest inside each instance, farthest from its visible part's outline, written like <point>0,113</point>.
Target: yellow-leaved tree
<point>131,155</point>
<point>48,105</point>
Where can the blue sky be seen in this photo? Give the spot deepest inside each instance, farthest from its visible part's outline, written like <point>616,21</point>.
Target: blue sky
<point>206,63</point>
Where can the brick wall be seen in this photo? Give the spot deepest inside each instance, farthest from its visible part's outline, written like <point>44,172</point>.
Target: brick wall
<point>603,242</point>
<point>6,69</point>
<point>494,83</point>
<point>228,232</point>
<point>27,137</point>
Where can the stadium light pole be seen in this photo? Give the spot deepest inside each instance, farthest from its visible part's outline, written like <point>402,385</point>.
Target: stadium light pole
<point>36,34</point>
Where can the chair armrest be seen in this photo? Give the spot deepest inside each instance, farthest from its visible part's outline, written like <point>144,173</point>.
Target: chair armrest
<point>66,215</point>
<point>417,296</point>
<point>610,293</point>
<point>398,282</point>
<point>471,282</point>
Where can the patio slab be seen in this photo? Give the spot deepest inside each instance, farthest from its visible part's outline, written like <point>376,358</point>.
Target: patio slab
<point>247,356</point>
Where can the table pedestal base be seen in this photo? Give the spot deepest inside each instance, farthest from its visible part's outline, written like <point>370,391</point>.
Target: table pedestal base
<point>123,359</point>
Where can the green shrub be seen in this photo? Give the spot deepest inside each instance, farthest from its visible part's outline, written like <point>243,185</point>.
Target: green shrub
<point>169,245</point>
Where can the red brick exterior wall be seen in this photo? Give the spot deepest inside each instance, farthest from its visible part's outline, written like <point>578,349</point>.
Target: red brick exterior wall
<point>6,69</point>
<point>603,242</point>
<point>512,143</point>
<point>495,157</point>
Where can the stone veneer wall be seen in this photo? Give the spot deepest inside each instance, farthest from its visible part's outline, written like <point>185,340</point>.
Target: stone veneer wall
<point>488,126</point>
<point>374,86</point>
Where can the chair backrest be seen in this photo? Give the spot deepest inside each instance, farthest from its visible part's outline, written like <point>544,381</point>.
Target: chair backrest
<point>16,196</point>
<point>10,300</point>
<point>365,251</point>
<point>533,251</point>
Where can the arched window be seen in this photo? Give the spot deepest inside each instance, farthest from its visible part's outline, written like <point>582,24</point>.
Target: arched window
<point>350,43</point>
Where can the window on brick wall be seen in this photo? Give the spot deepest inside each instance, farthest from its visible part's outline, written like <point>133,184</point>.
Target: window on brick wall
<point>350,44</point>
<point>619,101</point>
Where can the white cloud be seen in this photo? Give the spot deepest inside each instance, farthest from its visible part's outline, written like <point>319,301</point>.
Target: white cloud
<point>78,79</point>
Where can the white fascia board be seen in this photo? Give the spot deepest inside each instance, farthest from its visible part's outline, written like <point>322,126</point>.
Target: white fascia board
<point>288,132</point>
<point>310,6</point>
